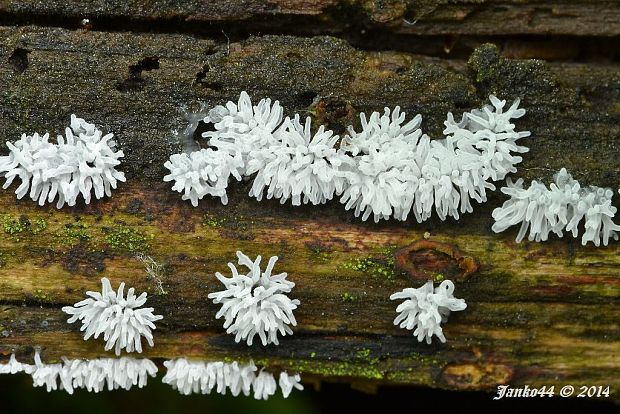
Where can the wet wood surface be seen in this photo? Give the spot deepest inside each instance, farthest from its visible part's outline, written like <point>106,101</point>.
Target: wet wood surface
<point>538,314</point>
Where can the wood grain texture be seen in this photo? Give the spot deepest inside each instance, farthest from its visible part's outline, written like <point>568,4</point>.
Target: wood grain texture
<point>537,313</point>
<point>426,17</point>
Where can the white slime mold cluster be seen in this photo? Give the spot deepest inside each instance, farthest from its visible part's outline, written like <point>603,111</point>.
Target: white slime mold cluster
<point>388,169</point>
<point>82,161</point>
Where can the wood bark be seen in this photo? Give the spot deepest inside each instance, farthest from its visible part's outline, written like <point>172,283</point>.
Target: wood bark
<point>538,313</point>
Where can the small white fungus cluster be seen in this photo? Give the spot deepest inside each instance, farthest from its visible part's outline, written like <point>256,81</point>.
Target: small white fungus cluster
<point>425,308</point>
<point>202,377</point>
<point>93,375</point>
<point>80,162</point>
<point>388,169</point>
<point>14,367</point>
<point>256,303</point>
<point>121,320</point>
<point>562,206</point>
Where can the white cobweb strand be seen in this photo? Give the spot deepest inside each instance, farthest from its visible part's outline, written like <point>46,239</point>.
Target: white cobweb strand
<point>93,375</point>
<point>256,303</point>
<point>560,207</point>
<point>193,377</point>
<point>82,161</point>
<point>299,166</point>
<point>425,309</point>
<point>401,170</point>
<point>122,321</point>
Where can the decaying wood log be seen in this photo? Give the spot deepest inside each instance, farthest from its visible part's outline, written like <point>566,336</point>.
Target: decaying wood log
<point>427,17</point>
<point>538,314</point>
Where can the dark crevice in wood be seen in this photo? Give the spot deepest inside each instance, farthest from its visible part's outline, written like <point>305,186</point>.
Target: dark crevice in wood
<point>19,60</point>
<point>135,81</point>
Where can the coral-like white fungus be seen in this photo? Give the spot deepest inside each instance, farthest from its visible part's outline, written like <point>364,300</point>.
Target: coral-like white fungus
<point>82,161</point>
<point>264,385</point>
<point>425,308</point>
<point>299,165</point>
<point>94,375</point>
<point>256,302</point>
<point>401,170</point>
<point>288,382</point>
<point>202,377</point>
<point>203,172</point>
<point>388,169</point>
<point>121,320</point>
<point>560,207</point>
<point>14,367</point>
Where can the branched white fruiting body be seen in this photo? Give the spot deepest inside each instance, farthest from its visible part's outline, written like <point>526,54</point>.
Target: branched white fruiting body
<point>425,308</point>
<point>14,367</point>
<point>256,303</point>
<point>385,173</point>
<point>202,377</point>
<point>264,385</point>
<point>82,161</point>
<point>241,128</point>
<point>121,320</point>
<point>560,207</point>
<point>203,172</point>
<point>93,375</point>
<point>299,165</point>
<point>288,382</point>
<point>399,169</point>
<point>387,170</point>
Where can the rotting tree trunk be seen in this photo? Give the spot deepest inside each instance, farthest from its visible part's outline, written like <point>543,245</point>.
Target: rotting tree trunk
<point>538,314</point>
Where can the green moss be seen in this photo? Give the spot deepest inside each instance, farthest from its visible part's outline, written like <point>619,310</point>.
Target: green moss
<point>18,227</point>
<point>347,297</point>
<point>123,238</point>
<point>363,353</point>
<point>73,233</point>
<point>41,295</point>
<point>380,265</point>
<point>12,225</point>
<point>39,225</point>
<point>495,74</point>
<point>212,221</point>
<point>337,369</point>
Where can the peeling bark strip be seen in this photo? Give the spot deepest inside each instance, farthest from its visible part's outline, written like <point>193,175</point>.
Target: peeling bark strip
<point>427,17</point>
<point>428,260</point>
<point>538,314</point>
